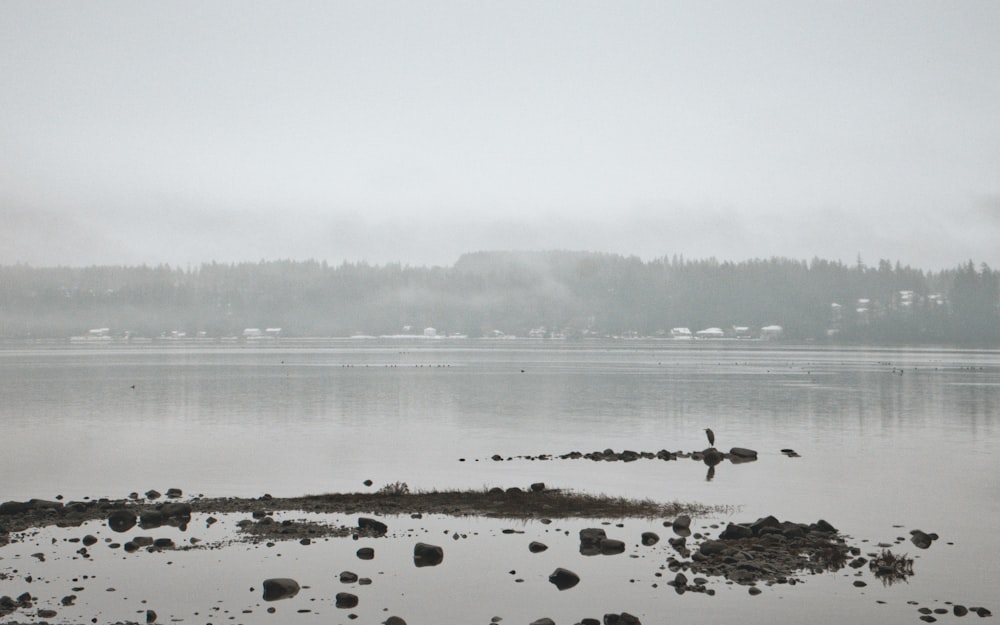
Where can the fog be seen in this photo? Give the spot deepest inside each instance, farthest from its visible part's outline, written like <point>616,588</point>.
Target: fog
<point>184,132</point>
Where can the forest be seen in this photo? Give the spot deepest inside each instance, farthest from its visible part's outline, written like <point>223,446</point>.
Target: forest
<point>545,294</point>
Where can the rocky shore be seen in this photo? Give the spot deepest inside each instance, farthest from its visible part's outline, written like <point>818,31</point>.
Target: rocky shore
<point>696,557</point>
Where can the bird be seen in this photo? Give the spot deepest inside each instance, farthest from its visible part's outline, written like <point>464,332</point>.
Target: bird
<point>711,436</point>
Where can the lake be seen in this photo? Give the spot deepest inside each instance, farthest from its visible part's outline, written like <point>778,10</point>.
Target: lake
<point>889,440</point>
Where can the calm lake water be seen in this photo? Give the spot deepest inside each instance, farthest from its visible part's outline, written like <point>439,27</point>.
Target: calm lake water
<point>890,440</point>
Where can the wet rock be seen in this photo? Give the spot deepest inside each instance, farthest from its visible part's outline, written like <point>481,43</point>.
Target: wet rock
<point>713,548</point>
<point>68,600</point>
<point>163,543</point>
<point>564,579</point>
<point>346,600</point>
<point>89,540</point>
<point>366,553</point>
<point>621,619</point>
<point>537,547</point>
<point>151,614</point>
<point>174,493</point>
<point>347,577</point>
<point>735,531</point>
<point>376,527</point>
<point>538,487</point>
<point>121,520</point>
<point>712,456</point>
<point>982,612</point>
<point>650,538</point>
<point>278,588</point>
<point>543,621</point>
<point>922,539</point>
<point>150,519</point>
<point>823,526</point>
<point>153,494</point>
<point>45,613</point>
<point>959,610</point>
<point>394,620</point>
<point>592,536</point>
<point>743,453</point>
<point>611,546</point>
<point>682,525</point>
<point>176,510</point>
<point>427,555</point>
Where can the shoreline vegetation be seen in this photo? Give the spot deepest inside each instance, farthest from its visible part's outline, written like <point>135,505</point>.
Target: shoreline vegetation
<point>392,499</point>
<point>554,294</point>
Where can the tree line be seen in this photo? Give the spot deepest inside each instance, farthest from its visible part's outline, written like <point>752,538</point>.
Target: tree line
<point>570,294</point>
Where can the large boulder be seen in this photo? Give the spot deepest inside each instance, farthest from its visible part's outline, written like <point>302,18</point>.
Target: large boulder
<point>280,588</point>
<point>650,538</point>
<point>742,453</point>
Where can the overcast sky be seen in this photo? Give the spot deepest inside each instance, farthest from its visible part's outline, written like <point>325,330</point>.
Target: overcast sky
<point>183,132</point>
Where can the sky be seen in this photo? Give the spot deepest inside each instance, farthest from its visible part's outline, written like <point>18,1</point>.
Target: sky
<point>183,132</point>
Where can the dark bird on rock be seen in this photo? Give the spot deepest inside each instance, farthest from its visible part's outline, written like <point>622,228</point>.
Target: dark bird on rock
<point>711,436</point>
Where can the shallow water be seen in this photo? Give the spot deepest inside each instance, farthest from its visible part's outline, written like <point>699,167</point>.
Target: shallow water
<point>887,438</point>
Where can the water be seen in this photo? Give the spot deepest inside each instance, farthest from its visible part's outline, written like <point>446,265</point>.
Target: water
<point>890,440</point>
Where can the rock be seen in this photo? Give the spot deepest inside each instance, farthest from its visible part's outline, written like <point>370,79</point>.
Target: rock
<point>150,519</point>
<point>121,520</point>
<point>427,555</point>
<point>8,508</point>
<point>366,553</point>
<point>712,547</point>
<point>368,482</point>
<point>611,546</point>
<point>712,456</point>
<point>921,539</point>
<point>823,526</point>
<point>280,588</point>
<point>346,600</point>
<point>537,547</point>
<point>743,452</point>
<point>175,510</point>
<point>150,616</point>
<point>564,578</point>
<point>682,525</point>
<point>764,522</point>
<point>621,619</point>
<point>543,621</point>
<point>983,612</point>
<point>959,610</point>
<point>394,620</point>
<point>372,525</point>
<point>174,493</point>
<point>538,487</point>
<point>592,535</point>
<point>735,531</point>
<point>650,538</point>
<point>753,590</point>
<point>163,543</point>
<point>89,540</point>
<point>44,613</point>
<point>153,494</point>
<point>347,577</point>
